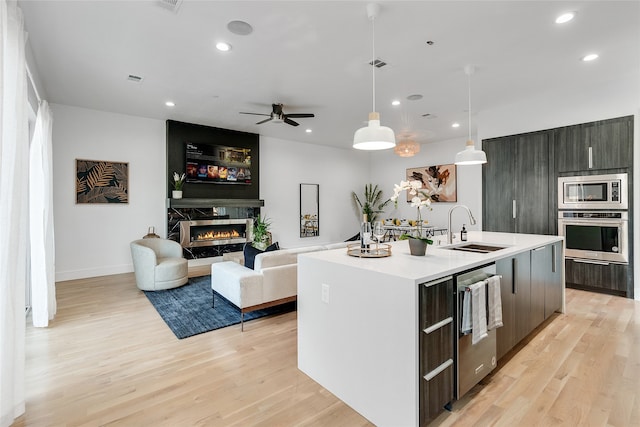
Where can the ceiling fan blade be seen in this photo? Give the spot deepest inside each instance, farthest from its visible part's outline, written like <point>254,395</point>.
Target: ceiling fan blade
<point>265,121</point>
<point>300,115</point>
<point>255,114</point>
<point>290,122</point>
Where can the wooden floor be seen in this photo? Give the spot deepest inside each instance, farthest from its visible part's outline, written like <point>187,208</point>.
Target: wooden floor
<point>109,359</point>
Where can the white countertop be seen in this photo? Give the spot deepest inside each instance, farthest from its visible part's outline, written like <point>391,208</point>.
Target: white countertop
<point>438,261</point>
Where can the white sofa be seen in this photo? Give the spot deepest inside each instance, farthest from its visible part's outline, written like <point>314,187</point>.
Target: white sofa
<point>273,281</point>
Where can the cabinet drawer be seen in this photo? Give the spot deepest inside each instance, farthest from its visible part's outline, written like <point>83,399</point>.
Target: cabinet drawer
<point>610,278</point>
<point>435,393</point>
<point>436,303</point>
<point>436,346</point>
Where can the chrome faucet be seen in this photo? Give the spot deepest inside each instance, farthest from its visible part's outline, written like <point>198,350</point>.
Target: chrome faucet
<point>471,219</point>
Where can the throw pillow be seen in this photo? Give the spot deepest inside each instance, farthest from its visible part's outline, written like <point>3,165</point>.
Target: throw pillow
<point>250,253</point>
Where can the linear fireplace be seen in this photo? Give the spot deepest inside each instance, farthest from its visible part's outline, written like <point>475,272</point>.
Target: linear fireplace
<point>215,232</point>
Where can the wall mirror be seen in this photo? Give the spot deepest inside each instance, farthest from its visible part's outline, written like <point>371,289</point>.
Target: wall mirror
<point>309,210</point>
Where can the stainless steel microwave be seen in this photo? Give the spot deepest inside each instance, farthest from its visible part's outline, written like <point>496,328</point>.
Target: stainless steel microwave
<point>593,192</point>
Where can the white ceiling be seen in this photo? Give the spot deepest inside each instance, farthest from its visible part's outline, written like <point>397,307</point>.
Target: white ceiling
<point>313,56</point>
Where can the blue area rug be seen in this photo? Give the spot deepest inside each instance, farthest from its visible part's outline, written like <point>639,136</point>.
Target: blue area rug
<point>187,310</point>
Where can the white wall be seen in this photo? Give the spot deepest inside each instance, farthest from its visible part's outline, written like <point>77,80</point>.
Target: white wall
<point>284,165</point>
<point>93,239</point>
<point>388,169</point>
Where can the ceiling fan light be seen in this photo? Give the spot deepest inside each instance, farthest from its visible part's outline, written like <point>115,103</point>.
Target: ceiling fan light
<point>470,156</point>
<point>373,136</point>
<point>407,148</point>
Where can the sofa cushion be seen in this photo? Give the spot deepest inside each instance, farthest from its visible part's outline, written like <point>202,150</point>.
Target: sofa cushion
<point>250,253</point>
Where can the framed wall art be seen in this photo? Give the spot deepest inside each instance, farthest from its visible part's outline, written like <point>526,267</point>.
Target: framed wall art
<point>99,181</point>
<point>439,181</point>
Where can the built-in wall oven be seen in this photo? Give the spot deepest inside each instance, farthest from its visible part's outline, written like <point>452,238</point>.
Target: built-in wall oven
<point>599,236</point>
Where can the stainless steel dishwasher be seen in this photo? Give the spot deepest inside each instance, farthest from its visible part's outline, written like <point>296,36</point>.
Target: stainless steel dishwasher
<point>473,362</point>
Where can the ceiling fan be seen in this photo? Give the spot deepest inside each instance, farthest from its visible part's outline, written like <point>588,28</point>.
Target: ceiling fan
<point>278,116</point>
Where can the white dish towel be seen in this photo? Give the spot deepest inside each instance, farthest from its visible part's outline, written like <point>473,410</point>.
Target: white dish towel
<point>465,328</point>
<point>478,311</point>
<point>495,302</point>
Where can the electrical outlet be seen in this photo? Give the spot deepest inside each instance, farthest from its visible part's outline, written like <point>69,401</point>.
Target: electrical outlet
<point>325,293</point>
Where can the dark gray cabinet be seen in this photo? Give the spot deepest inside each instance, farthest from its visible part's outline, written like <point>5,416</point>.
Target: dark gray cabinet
<point>531,290</point>
<point>601,277</point>
<point>553,285</point>
<point>516,301</point>
<point>516,184</point>
<point>546,282</point>
<point>605,144</point>
<point>436,344</point>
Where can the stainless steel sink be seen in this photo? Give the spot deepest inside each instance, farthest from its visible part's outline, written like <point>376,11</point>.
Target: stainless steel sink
<point>479,248</point>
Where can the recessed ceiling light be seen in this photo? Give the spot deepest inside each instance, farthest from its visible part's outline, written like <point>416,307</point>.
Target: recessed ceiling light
<point>590,57</point>
<point>395,102</point>
<point>414,97</point>
<point>170,104</point>
<point>565,17</point>
<point>223,46</point>
<point>308,131</point>
<point>455,125</point>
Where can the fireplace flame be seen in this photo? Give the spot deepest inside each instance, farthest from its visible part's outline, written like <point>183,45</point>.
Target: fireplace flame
<point>217,235</point>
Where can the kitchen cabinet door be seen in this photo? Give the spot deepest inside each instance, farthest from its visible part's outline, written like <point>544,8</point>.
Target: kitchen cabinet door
<point>532,190</point>
<point>497,185</point>
<point>602,277</point>
<point>540,274</point>
<point>516,186</point>
<point>553,287</point>
<point>611,142</point>
<point>571,153</point>
<point>605,144</point>
<point>516,301</point>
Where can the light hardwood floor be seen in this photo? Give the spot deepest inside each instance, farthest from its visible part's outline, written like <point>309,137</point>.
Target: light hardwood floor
<point>109,359</point>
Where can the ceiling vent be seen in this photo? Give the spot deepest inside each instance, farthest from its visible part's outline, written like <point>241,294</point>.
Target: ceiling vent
<point>135,79</point>
<point>378,63</point>
<point>172,5</point>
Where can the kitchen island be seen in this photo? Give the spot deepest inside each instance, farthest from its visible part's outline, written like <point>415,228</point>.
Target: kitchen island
<point>359,332</point>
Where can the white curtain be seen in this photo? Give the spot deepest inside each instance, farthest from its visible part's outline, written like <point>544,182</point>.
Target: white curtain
<point>43,285</point>
<point>14,167</point>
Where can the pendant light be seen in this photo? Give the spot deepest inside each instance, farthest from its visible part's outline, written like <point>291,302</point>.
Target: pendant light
<point>407,148</point>
<point>373,136</point>
<point>470,156</point>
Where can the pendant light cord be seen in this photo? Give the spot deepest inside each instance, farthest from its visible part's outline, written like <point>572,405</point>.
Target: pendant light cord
<point>373,61</point>
<point>469,90</point>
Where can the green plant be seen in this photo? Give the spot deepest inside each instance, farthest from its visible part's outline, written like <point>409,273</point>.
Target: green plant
<point>372,203</point>
<point>178,181</point>
<point>261,233</point>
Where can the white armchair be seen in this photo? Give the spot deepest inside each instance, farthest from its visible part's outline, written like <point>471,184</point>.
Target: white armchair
<point>158,264</point>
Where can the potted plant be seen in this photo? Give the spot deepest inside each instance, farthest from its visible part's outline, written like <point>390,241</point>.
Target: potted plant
<point>178,182</point>
<point>261,233</point>
<point>421,200</point>
<point>372,203</point>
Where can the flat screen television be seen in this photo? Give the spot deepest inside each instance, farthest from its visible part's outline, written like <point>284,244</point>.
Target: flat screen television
<point>217,164</point>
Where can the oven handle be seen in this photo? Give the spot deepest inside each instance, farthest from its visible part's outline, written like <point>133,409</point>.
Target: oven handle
<point>594,221</point>
<point>588,261</point>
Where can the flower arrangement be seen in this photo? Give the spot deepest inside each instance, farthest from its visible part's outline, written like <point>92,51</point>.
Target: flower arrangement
<point>178,181</point>
<point>421,199</point>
